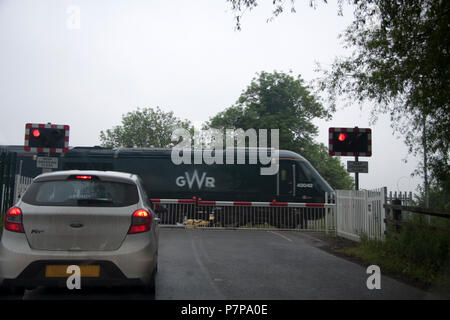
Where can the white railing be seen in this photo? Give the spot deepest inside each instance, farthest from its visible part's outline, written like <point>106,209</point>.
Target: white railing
<point>246,215</point>
<point>20,185</point>
<point>360,212</point>
<point>405,197</point>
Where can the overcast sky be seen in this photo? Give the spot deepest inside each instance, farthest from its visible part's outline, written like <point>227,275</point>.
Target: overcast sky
<point>184,56</point>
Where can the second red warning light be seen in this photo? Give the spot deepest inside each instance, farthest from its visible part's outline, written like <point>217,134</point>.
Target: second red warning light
<point>36,133</point>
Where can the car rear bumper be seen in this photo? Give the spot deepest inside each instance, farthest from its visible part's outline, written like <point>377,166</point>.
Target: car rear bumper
<point>34,275</point>
<point>132,263</point>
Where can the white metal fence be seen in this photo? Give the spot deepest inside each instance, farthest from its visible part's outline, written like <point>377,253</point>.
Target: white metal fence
<point>21,184</point>
<point>360,212</point>
<point>404,197</point>
<point>246,215</point>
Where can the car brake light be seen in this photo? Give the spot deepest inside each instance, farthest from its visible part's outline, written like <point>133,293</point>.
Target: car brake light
<point>13,220</point>
<point>141,221</point>
<point>84,177</point>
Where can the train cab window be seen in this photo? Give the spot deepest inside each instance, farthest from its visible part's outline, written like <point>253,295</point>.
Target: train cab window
<point>302,174</point>
<point>311,176</point>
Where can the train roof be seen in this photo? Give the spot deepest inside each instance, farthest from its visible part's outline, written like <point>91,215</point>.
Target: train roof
<point>130,152</point>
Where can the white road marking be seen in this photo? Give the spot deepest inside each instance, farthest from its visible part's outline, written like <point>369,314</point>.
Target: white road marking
<point>284,237</point>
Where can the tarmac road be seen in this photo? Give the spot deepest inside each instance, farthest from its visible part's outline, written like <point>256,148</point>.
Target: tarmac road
<point>246,264</point>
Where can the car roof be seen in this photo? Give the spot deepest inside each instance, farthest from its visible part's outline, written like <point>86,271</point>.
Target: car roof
<point>103,175</point>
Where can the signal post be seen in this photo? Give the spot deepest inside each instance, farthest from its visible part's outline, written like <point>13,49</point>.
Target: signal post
<point>355,142</point>
<point>46,139</point>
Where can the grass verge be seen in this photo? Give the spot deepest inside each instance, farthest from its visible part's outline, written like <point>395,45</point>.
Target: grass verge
<point>419,252</point>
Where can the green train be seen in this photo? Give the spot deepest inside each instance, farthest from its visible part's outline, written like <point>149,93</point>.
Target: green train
<point>295,181</point>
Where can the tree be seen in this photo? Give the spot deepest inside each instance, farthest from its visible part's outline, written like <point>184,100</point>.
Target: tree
<point>239,7</point>
<point>144,128</point>
<point>438,196</point>
<point>280,101</point>
<point>401,64</point>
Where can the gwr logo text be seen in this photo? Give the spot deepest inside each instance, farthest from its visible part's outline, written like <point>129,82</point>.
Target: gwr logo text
<point>188,180</point>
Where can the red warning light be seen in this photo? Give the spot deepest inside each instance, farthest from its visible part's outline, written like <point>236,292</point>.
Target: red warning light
<point>342,137</point>
<point>36,133</point>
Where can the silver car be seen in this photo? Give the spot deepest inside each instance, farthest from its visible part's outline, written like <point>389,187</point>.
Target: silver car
<point>100,221</point>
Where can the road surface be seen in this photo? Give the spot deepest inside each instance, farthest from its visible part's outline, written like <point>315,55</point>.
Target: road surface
<point>246,264</point>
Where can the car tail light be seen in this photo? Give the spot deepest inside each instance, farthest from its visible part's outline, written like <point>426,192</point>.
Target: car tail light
<point>13,220</point>
<point>141,221</point>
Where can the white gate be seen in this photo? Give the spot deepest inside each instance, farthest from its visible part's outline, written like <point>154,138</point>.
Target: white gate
<point>360,212</point>
<point>21,184</point>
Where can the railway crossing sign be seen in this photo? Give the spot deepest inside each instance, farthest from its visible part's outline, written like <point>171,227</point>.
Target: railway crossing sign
<point>47,162</point>
<point>50,138</point>
<point>358,166</point>
<point>354,142</point>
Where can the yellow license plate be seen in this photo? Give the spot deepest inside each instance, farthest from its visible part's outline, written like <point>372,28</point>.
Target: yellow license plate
<point>60,271</point>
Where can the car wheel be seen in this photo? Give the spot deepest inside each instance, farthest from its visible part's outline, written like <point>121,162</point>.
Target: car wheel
<point>148,289</point>
<point>151,287</point>
<point>4,291</point>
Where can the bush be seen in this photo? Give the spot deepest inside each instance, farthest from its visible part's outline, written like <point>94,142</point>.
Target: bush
<point>420,250</point>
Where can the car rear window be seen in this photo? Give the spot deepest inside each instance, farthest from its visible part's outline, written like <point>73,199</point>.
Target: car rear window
<point>88,193</point>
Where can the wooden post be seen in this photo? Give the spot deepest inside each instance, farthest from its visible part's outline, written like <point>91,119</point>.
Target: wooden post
<point>397,214</point>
